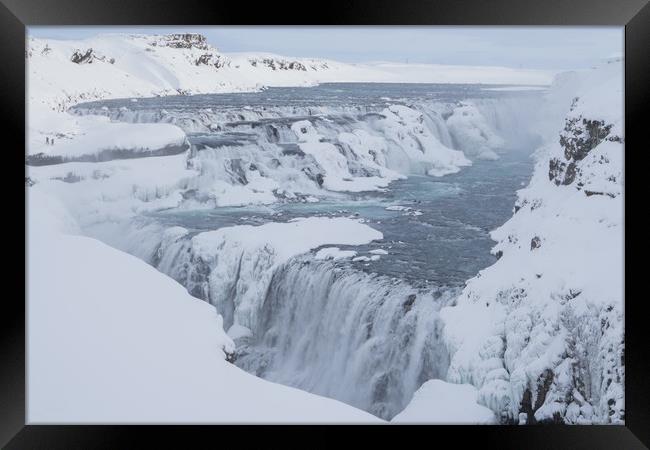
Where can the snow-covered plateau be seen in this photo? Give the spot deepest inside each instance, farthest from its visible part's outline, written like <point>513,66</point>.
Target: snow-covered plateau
<point>208,232</point>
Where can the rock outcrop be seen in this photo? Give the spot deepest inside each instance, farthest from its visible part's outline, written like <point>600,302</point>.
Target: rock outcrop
<point>183,40</point>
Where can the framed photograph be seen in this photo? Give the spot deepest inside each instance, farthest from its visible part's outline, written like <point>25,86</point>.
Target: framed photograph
<point>343,214</point>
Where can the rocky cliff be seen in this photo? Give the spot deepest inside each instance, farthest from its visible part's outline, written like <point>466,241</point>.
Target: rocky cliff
<point>540,333</point>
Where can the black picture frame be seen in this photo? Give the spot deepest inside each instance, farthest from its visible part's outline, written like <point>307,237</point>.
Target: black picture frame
<point>15,15</point>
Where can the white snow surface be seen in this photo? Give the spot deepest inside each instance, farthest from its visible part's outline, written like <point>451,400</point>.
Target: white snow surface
<point>92,134</point>
<point>287,239</point>
<point>112,340</point>
<point>437,402</point>
<point>550,310</point>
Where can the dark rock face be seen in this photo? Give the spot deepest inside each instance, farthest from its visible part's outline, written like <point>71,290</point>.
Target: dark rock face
<point>408,304</point>
<point>528,406</point>
<point>185,40</point>
<point>578,138</point>
<point>279,64</point>
<point>83,58</point>
<point>88,57</point>
<point>231,357</point>
<point>590,193</point>
<point>209,59</point>
<point>535,242</point>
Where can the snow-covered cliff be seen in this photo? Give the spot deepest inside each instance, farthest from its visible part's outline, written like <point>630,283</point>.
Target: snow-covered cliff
<point>540,333</point>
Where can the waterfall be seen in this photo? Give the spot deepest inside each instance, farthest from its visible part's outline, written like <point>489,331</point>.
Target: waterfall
<point>365,340</point>
<point>514,119</point>
<point>322,326</point>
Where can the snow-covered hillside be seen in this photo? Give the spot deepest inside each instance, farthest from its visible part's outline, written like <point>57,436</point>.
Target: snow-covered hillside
<point>540,332</point>
<point>64,72</point>
<point>113,340</point>
<point>114,65</point>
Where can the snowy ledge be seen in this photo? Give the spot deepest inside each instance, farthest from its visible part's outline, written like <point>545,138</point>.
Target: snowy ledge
<point>96,139</point>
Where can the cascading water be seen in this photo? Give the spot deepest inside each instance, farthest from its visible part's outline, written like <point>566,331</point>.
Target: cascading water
<point>250,140</point>
<point>365,340</point>
<point>364,333</point>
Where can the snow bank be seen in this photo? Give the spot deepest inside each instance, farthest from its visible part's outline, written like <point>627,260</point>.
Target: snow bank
<point>288,239</point>
<point>95,134</point>
<point>438,402</point>
<point>112,340</point>
<point>540,333</point>
<point>117,190</point>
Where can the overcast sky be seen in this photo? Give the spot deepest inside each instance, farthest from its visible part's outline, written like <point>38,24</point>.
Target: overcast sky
<point>527,47</point>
